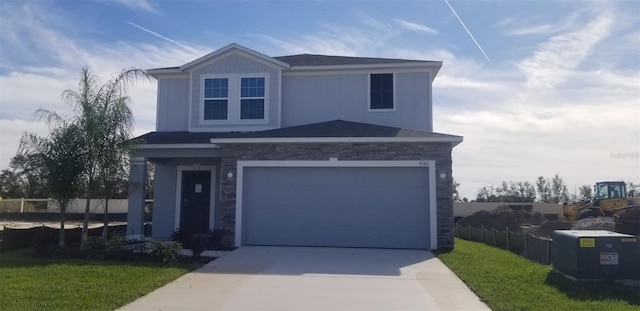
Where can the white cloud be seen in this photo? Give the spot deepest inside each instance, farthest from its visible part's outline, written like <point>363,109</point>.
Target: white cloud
<point>142,5</point>
<point>540,29</point>
<point>517,124</point>
<point>556,58</point>
<point>415,27</point>
<point>445,81</point>
<point>11,132</point>
<point>504,22</point>
<point>24,89</point>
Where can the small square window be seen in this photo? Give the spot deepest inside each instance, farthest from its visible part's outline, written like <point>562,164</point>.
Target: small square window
<point>381,91</point>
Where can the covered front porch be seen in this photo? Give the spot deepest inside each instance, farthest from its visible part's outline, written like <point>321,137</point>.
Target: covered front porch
<point>186,189</point>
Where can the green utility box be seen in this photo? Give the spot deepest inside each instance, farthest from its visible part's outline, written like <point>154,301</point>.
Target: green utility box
<point>596,254</point>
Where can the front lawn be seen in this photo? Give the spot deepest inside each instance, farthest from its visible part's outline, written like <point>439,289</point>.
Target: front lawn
<point>506,281</point>
<point>28,283</point>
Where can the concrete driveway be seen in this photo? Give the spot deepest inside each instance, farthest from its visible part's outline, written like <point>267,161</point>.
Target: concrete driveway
<point>316,278</point>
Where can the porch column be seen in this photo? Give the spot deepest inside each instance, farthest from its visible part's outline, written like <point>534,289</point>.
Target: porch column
<point>137,193</point>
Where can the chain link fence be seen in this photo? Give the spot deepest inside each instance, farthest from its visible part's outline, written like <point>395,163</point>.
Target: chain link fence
<point>534,248</point>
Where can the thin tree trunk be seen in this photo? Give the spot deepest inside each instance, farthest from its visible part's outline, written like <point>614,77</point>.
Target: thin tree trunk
<point>85,222</point>
<point>105,227</point>
<point>63,210</point>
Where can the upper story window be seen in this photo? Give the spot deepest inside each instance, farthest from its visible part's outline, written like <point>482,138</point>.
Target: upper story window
<point>234,98</point>
<point>252,98</point>
<point>216,99</point>
<point>381,92</point>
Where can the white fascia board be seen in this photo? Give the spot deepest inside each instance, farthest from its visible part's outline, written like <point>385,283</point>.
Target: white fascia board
<point>229,49</point>
<point>337,163</point>
<point>167,73</point>
<point>353,71</point>
<point>177,146</point>
<point>424,65</point>
<point>232,127</point>
<point>293,140</point>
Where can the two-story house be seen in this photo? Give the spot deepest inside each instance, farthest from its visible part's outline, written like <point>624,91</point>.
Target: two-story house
<point>308,150</point>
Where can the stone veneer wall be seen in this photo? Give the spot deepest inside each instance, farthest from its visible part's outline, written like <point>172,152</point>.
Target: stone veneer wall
<point>440,152</point>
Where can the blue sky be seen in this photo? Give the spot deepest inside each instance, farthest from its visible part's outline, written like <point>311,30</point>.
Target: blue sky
<point>535,87</point>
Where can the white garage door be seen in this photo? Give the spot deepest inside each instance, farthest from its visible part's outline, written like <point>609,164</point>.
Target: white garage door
<point>386,207</point>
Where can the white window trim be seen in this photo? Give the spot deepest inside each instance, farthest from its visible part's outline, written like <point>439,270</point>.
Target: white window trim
<point>430,164</point>
<point>233,99</point>
<point>212,205</point>
<point>202,87</point>
<point>395,102</point>
<point>264,98</point>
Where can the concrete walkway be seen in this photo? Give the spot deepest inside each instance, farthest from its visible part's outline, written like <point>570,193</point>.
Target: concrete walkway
<point>316,278</point>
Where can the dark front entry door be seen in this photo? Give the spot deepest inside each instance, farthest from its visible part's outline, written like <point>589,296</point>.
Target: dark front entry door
<point>196,201</point>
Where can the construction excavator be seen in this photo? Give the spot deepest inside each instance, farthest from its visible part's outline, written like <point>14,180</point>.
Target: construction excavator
<point>609,198</point>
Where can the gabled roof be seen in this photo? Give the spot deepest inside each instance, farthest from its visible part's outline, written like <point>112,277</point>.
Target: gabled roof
<point>301,61</point>
<point>332,131</point>
<point>228,48</point>
<point>233,47</point>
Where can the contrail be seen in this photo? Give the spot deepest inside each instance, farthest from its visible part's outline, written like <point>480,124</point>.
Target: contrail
<point>161,36</point>
<point>468,32</point>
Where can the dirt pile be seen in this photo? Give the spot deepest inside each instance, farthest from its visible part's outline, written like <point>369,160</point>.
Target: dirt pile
<point>546,229</point>
<point>503,217</point>
<point>595,223</point>
<point>519,220</point>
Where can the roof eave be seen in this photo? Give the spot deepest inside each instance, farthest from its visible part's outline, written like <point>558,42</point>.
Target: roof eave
<point>162,72</point>
<point>454,140</point>
<point>177,146</point>
<point>426,65</point>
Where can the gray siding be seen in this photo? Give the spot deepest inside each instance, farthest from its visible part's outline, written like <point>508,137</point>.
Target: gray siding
<point>164,192</point>
<point>164,200</point>
<point>310,99</point>
<point>235,64</point>
<point>173,109</point>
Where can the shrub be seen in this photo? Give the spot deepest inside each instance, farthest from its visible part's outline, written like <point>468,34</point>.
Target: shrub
<point>44,243</point>
<point>198,242</point>
<point>11,239</point>
<point>113,248</point>
<point>165,251</point>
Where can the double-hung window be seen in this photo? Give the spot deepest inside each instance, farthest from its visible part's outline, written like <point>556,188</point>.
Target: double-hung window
<point>235,99</point>
<point>216,99</point>
<point>252,98</point>
<point>381,92</point>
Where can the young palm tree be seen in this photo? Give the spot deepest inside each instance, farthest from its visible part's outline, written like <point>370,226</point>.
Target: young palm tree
<point>103,113</point>
<point>60,159</point>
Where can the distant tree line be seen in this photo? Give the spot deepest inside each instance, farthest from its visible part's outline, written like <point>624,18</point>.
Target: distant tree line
<point>544,190</point>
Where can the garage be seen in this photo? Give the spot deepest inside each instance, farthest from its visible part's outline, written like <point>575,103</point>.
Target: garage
<point>383,204</point>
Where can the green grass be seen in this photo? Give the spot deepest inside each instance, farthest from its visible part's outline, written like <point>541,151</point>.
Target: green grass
<point>28,283</point>
<point>506,281</point>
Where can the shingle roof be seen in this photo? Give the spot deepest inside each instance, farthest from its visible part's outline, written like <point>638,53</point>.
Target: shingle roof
<point>337,128</point>
<point>311,60</point>
<point>327,60</point>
